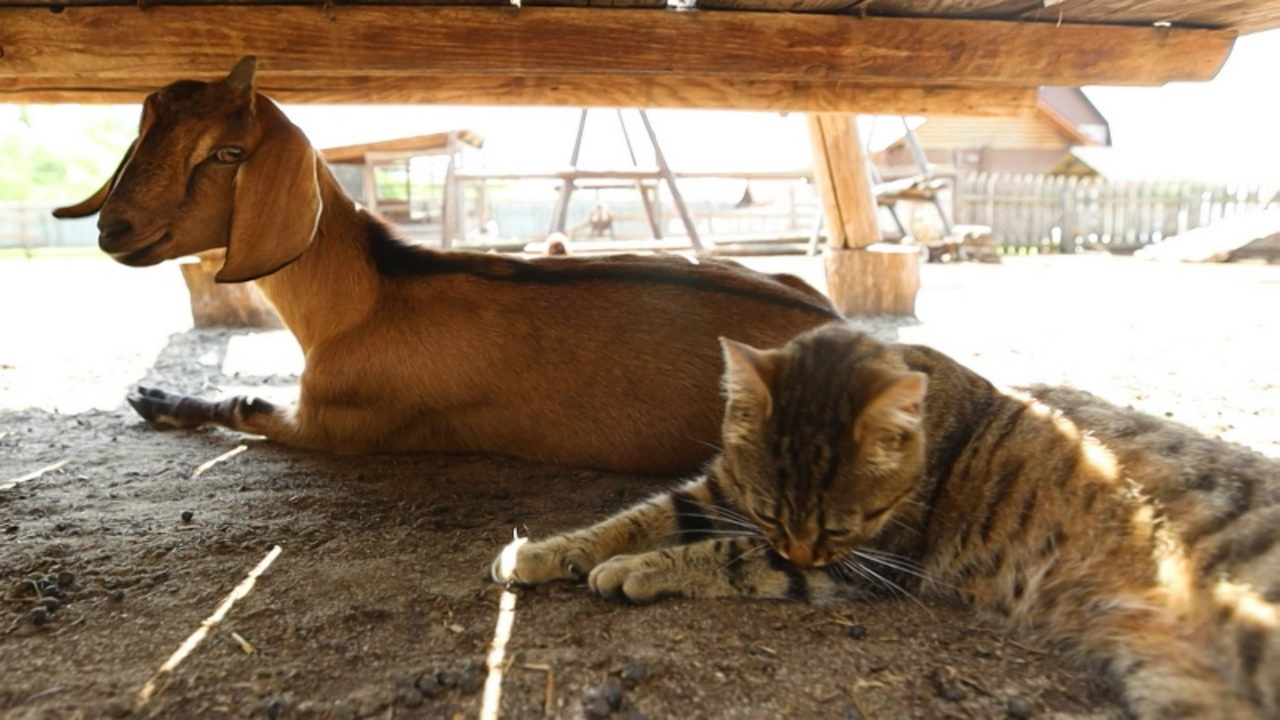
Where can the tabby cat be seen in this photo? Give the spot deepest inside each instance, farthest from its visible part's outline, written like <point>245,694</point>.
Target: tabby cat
<point>1142,544</point>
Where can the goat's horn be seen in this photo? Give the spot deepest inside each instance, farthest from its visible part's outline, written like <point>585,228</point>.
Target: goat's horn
<point>241,76</point>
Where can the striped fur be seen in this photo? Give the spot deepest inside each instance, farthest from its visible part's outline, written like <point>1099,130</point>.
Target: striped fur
<point>1147,548</point>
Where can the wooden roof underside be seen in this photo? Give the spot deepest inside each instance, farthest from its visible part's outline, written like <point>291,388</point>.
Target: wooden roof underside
<point>404,146</point>
<point>892,56</point>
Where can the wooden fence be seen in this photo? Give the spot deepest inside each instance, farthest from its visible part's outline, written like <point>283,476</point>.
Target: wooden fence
<point>21,225</point>
<point>1057,213</point>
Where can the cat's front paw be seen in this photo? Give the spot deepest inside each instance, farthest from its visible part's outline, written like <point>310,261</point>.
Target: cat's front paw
<point>525,563</point>
<point>632,577</point>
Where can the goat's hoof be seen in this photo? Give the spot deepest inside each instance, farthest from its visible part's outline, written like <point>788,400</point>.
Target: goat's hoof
<point>153,404</point>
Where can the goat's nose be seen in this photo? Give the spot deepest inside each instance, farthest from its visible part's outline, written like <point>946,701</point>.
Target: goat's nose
<point>112,230</point>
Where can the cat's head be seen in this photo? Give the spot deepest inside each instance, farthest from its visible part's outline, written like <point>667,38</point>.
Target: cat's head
<point>823,440</point>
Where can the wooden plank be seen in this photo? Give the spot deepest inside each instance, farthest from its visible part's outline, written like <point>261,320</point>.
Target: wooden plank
<point>814,6</point>
<point>125,43</point>
<point>1241,17</point>
<point>1229,14</point>
<point>425,144</point>
<point>607,91</point>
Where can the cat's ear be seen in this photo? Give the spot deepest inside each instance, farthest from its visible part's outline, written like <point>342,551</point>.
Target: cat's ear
<point>748,374</point>
<point>899,407</point>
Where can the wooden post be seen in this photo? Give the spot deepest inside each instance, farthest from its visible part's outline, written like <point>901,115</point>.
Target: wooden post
<point>690,227</point>
<point>560,217</point>
<point>224,304</point>
<point>453,210</point>
<point>370,199</point>
<point>864,276</point>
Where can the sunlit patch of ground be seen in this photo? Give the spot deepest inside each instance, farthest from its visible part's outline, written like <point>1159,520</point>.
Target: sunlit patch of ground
<point>77,331</point>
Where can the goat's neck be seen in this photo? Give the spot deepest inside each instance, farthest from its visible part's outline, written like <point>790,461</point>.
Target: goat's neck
<point>333,285</point>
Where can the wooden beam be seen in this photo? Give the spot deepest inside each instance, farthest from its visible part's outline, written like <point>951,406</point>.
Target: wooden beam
<point>864,276</point>
<point>607,91</point>
<point>124,43</point>
<point>1242,17</point>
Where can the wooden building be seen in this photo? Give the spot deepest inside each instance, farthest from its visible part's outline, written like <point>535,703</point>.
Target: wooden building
<point>1063,118</point>
<point>829,58</point>
<point>380,175</point>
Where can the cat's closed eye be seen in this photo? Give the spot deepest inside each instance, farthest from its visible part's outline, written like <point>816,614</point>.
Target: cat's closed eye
<point>873,514</point>
<point>839,536</point>
<point>767,522</point>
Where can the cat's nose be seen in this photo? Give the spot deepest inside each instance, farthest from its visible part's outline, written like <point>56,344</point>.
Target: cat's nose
<point>798,554</point>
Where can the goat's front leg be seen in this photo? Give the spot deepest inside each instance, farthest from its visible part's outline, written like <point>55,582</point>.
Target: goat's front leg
<point>671,518</point>
<point>242,413</point>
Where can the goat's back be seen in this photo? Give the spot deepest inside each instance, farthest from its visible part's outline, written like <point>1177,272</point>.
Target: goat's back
<point>607,362</point>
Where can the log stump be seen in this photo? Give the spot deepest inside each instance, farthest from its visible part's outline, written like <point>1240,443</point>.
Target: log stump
<point>225,304</point>
<point>879,279</point>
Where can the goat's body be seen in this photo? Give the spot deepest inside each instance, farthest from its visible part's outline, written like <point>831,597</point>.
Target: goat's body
<point>618,374</point>
<point>610,363</point>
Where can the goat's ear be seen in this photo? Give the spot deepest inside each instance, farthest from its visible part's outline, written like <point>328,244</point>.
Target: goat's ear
<point>277,200</point>
<point>94,202</point>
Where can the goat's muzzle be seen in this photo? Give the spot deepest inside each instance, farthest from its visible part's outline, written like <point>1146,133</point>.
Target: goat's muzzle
<point>118,239</point>
<point>113,233</point>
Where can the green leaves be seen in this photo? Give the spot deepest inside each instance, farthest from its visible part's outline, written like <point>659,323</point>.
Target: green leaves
<point>49,153</point>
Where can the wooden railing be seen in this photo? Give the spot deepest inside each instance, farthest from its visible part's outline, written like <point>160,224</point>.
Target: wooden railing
<point>1057,213</point>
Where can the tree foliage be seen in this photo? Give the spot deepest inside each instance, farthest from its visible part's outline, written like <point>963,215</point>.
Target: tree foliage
<point>60,154</point>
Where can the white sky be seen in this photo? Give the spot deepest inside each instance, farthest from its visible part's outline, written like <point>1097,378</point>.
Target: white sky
<point>533,138</point>
<point>1228,125</point>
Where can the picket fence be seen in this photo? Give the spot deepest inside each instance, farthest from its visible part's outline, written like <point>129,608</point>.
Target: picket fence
<point>1058,213</point>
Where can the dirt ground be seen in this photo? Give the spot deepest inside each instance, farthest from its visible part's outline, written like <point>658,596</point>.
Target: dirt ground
<point>377,605</point>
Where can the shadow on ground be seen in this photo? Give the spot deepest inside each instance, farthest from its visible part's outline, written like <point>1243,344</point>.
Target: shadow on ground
<point>378,607</point>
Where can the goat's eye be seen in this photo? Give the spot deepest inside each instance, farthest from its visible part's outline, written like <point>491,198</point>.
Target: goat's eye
<point>228,154</point>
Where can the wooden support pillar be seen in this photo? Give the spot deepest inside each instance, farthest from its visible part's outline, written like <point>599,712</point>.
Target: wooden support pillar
<point>216,304</point>
<point>864,276</point>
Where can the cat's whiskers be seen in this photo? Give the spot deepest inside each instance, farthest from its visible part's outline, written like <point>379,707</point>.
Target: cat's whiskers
<point>865,571</point>
<point>730,514</point>
<point>751,552</point>
<point>887,558</point>
<point>727,512</point>
<point>717,532</point>
<point>859,571</point>
<point>743,524</point>
<point>901,564</point>
<point>903,525</point>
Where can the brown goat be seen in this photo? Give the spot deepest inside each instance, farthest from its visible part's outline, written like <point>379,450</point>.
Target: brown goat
<point>609,362</point>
